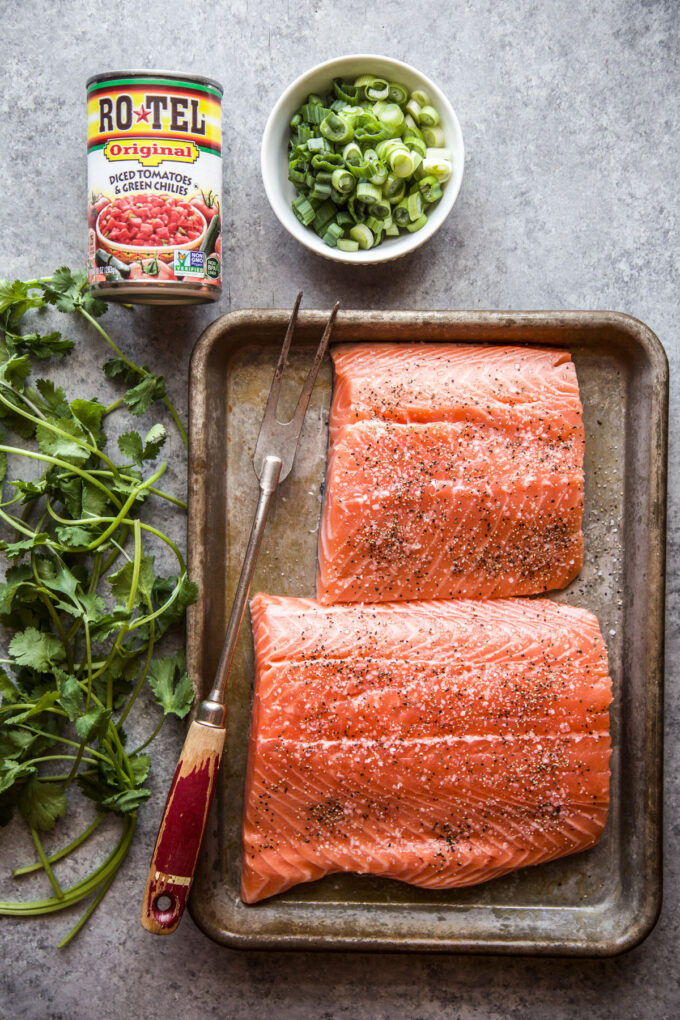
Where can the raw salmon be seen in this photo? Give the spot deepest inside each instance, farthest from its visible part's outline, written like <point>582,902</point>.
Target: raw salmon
<point>412,383</point>
<point>454,471</point>
<point>440,743</point>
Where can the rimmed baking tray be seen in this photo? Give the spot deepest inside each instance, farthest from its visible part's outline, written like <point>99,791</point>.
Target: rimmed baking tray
<point>597,903</point>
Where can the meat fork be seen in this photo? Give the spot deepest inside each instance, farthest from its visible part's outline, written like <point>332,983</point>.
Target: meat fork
<point>186,810</point>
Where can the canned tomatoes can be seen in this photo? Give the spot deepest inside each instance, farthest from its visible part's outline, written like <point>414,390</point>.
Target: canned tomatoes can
<point>154,171</point>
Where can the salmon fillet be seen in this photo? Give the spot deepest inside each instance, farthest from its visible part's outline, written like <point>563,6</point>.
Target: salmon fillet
<point>411,383</point>
<point>454,471</point>
<point>439,743</point>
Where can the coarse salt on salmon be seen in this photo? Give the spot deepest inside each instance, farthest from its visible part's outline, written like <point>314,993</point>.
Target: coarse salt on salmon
<point>454,471</point>
<point>439,743</point>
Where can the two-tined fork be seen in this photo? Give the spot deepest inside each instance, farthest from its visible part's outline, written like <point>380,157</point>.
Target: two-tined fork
<point>186,810</point>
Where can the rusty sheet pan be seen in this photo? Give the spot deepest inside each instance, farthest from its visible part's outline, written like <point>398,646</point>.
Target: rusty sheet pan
<point>596,903</point>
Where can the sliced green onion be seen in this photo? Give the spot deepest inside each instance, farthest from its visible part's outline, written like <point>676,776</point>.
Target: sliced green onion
<point>391,116</point>
<point>366,159</point>
<point>421,97</point>
<point>364,79</point>
<point>416,144</point>
<point>343,181</point>
<point>414,204</point>
<point>352,154</point>
<point>439,168</point>
<point>378,89</point>
<point>303,210</point>
<point>428,116</point>
<point>362,234</point>
<point>434,136</point>
<point>313,113</point>
<point>343,90</point>
<point>403,162</point>
<point>398,93</point>
<point>317,145</point>
<point>417,224</point>
<point>380,210</point>
<point>379,174</point>
<point>394,187</point>
<point>430,189</point>
<point>400,213</point>
<point>336,129</point>
<point>356,209</point>
<point>333,232</point>
<point>324,214</point>
<point>367,192</point>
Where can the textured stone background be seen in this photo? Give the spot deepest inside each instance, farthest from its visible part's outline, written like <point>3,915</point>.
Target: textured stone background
<point>569,112</point>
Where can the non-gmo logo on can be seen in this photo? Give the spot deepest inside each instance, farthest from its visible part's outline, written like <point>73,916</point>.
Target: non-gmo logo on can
<point>212,267</point>
<point>189,263</point>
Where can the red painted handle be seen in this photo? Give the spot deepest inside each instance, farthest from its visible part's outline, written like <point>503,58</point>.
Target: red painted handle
<point>181,829</point>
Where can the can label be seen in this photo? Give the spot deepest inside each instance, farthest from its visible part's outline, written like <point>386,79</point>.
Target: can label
<point>154,180</point>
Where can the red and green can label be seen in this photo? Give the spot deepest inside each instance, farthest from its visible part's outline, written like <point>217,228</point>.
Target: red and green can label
<point>154,179</point>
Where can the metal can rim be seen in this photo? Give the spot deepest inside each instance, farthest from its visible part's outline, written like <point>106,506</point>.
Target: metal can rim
<point>198,79</point>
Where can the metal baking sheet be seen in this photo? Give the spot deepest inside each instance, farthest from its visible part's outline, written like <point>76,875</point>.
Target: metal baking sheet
<point>597,903</point>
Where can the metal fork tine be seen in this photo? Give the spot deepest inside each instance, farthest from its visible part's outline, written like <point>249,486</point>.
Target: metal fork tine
<point>275,389</point>
<point>306,393</point>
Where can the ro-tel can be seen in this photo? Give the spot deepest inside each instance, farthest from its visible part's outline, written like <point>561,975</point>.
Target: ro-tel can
<point>154,152</point>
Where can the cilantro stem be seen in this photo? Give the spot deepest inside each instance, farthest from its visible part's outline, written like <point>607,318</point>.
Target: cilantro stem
<point>46,865</point>
<point>28,869</point>
<point>142,677</point>
<point>45,424</point>
<point>153,736</point>
<point>103,889</point>
<point>138,369</point>
<point>79,891</point>
<point>88,476</point>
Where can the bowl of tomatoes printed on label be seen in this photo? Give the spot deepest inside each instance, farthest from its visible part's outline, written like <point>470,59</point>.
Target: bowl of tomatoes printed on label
<point>143,231</point>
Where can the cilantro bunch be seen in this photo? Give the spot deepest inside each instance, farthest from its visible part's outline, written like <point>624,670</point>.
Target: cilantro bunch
<point>82,602</point>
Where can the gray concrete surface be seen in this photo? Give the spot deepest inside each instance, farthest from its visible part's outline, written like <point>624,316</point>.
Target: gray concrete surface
<point>569,112</point>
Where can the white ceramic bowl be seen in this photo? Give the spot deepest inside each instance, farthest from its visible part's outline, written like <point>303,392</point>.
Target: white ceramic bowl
<point>274,156</point>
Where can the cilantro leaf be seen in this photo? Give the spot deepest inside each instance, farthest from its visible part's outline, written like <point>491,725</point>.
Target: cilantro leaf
<point>42,347</point>
<point>186,596</point>
<point>13,549</point>
<point>16,299</point>
<point>117,367</point>
<point>171,684</point>
<point>41,804</point>
<point>140,765</point>
<point>70,694</point>
<point>37,649</point>
<point>93,724</point>
<point>15,369</point>
<point>62,446</point>
<point>11,771</point>
<point>53,397</point>
<point>73,535</point>
<point>9,695</point>
<point>130,445</point>
<point>68,291</point>
<point>121,581</point>
<point>153,442</point>
<point>90,413</point>
<point>140,398</point>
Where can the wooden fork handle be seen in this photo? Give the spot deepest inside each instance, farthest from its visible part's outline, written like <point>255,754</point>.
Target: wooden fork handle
<point>181,830</point>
